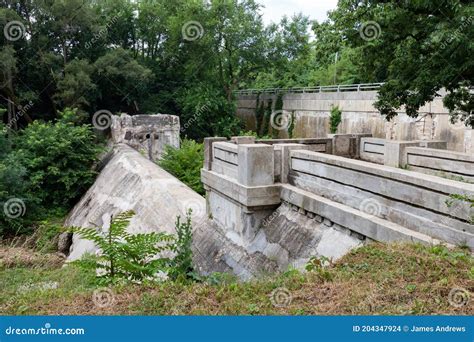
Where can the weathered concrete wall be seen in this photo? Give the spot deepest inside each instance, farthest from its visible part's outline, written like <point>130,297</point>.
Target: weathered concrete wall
<point>312,110</point>
<point>129,181</point>
<point>148,134</point>
<point>408,199</point>
<point>364,199</point>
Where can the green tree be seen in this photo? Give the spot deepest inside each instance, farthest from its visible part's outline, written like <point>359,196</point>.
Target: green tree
<point>417,47</point>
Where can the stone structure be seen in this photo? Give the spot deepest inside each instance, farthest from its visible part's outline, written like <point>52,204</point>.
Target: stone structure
<point>278,204</point>
<point>275,203</point>
<point>129,181</point>
<point>429,157</point>
<point>311,111</point>
<point>146,133</point>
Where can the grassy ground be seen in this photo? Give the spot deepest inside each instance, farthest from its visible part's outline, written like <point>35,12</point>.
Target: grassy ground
<point>375,279</point>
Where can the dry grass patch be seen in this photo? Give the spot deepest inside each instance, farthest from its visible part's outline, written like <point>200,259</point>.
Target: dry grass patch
<point>399,279</point>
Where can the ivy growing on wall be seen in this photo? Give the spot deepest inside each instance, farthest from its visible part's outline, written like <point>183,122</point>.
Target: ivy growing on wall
<point>291,126</point>
<point>278,108</point>
<point>266,118</point>
<point>335,118</point>
<point>259,114</point>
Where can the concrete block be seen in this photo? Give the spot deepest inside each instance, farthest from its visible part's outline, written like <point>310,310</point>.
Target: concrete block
<point>341,145</point>
<point>256,163</point>
<point>285,162</point>
<point>208,151</point>
<point>395,155</point>
<point>327,222</point>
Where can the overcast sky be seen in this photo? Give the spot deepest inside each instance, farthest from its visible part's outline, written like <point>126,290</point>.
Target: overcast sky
<point>315,9</point>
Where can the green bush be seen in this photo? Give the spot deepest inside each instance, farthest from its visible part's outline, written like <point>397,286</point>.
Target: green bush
<point>185,163</point>
<point>58,159</point>
<point>335,118</point>
<point>44,168</point>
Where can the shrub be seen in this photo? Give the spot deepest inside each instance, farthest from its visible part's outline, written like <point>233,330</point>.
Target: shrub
<point>185,163</point>
<point>58,159</point>
<point>335,119</point>
<point>45,167</point>
<point>125,256</point>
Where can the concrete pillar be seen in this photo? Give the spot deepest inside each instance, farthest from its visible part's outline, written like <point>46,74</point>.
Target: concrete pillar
<point>347,145</point>
<point>208,150</point>
<point>469,141</point>
<point>395,152</point>
<point>285,158</point>
<point>256,164</point>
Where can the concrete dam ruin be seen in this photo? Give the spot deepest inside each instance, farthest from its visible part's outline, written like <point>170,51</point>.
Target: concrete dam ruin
<point>271,204</point>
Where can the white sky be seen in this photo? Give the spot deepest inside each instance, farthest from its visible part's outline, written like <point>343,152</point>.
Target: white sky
<point>315,9</point>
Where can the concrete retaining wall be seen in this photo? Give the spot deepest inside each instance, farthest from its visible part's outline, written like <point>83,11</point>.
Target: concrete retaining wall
<point>311,112</point>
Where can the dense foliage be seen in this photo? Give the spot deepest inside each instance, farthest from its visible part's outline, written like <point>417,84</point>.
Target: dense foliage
<point>417,47</point>
<point>43,169</point>
<point>185,163</point>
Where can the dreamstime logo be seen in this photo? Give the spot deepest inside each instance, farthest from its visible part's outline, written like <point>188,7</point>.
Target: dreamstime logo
<point>198,209</point>
<point>370,30</point>
<point>103,297</point>
<point>192,30</point>
<point>371,206</point>
<point>14,30</point>
<point>458,297</point>
<point>281,297</point>
<point>280,120</point>
<point>14,208</point>
<point>102,119</point>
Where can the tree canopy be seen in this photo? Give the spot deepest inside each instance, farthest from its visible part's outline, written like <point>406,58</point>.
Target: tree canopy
<point>419,48</point>
<point>186,57</point>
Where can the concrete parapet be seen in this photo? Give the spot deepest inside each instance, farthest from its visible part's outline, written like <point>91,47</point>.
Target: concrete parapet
<point>255,164</point>
<point>225,159</point>
<point>208,151</point>
<point>146,133</point>
<point>373,150</point>
<point>442,163</point>
<point>409,199</point>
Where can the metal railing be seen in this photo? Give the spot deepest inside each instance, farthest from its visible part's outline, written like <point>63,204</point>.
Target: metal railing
<point>319,89</point>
